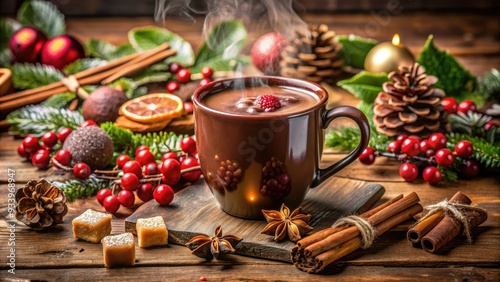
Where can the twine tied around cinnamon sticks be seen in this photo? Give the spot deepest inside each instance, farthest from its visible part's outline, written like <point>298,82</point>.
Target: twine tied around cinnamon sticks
<point>457,210</point>
<point>366,229</point>
<point>444,221</point>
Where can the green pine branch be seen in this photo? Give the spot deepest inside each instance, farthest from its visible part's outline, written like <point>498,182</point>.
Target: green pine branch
<point>79,188</point>
<point>37,119</point>
<point>59,100</point>
<point>28,76</point>
<point>485,153</point>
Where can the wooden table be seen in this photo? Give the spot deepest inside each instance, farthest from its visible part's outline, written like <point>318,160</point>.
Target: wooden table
<point>55,255</point>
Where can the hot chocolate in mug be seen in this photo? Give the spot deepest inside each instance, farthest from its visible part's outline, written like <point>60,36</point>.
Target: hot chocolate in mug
<point>260,141</point>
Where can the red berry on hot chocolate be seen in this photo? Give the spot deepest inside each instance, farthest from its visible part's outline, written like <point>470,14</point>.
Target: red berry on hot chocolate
<point>49,139</point>
<point>408,171</point>
<point>268,102</point>
<point>466,106</point>
<point>470,168</point>
<point>129,181</point>
<point>133,167</point>
<point>174,67</point>
<point>432,175</point>
<point>63,157</point>
<point>163,194</point>
<point>173,86</point>
<point>266,52</point>
<point>121,160</point>
<point>188,145</point>
<point>169,155</point>
<point>368,156</point>
<point>82,170</point>
<point>204,81</point>
<point>41,159</point>
<point>449,105</point>
<point>444,157</point>
<point>63,133</point>
<point>207,72</point>
<point>31,144</point>
<point>126,198</point>
<point>144,157</point>
<point>437,141</point>
<point>410,146</point>
<point>102,194</point>
<point>183,75</point>
<point>464,149</point>
<point>145,192</point>
<point>191,176</point>
<point>87,123</point>
<point>111,204</point>
<point>171,170</point>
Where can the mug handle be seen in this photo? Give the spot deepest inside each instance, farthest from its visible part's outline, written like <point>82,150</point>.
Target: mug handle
<point>360,119</point>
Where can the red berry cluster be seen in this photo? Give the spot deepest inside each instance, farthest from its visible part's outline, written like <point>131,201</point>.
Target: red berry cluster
<point>149,179</point>
<point>426,154</point>
<point>38,150</point>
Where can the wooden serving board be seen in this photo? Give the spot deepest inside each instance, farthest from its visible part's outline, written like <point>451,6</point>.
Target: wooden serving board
<point>195,211</point>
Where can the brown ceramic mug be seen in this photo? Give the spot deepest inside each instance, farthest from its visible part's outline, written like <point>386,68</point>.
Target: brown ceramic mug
<point>253,159</point>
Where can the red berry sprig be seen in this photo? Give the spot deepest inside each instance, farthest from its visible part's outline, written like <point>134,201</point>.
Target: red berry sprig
<point>426,154</point>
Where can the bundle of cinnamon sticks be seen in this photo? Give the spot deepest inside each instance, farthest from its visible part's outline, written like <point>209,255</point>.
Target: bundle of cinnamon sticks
<point>99,75</point>
<point>313,253</point>
<point>440,227</point>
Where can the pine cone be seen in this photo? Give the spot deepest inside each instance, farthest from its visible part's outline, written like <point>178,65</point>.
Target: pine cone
<point>314,56</point>
<point>409,104</point>
<point>40,204</point>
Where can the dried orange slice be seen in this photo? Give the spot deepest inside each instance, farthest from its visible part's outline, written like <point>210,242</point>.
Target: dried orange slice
<point>151,108</point>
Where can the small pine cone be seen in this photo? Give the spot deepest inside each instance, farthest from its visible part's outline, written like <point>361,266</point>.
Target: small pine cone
<point>409,104</point>
<point>314,56</point>
<point>40,204</point>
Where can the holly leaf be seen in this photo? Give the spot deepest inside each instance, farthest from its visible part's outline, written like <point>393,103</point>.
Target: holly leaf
<point>365,85</point>
<point>28,76</point>
<point>354,50</point>
<point>454,79</point>
<point>43,15</point>
<point>224,42</point>
<point>121,51</point>
<point>149,37</point>
<point>83,64</point>
<point>99,48</point>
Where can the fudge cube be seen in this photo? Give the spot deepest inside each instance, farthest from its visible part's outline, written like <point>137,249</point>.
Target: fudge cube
<point>151,232</point>
<point>118,250</point>
<point>92,226</point>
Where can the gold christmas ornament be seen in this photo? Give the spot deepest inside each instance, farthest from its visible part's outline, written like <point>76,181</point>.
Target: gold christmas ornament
<point>314,56</point>
<point>409,104</point>
<point>388,56</point>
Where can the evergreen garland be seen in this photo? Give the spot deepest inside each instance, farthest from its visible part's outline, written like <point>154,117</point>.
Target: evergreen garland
<point>78,188</point>
<point>38,119</point>
<point>485,153</point>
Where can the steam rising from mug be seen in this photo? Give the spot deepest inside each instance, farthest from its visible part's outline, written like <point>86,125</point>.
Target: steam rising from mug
<point>278,14</point>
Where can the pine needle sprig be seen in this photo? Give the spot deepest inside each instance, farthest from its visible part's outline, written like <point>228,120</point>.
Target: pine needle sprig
<point>78,188</point>
<point>38,119</point>
<point>158,142</point>
<point>60,100</point>
<point>346,138</point>
<point>485,153</point>
<point>28,76</point>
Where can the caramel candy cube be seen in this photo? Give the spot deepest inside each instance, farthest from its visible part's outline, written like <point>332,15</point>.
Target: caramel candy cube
<point>151,232</point>
<point>118,250</point>
<point>92,226</point>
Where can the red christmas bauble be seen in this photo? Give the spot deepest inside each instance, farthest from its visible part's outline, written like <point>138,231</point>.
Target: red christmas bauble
<point>266,52</point>
<point>25,45</point>
<point>61,50</point>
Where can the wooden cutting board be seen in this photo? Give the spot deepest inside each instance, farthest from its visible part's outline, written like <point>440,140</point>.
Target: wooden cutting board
<point>194,211</point>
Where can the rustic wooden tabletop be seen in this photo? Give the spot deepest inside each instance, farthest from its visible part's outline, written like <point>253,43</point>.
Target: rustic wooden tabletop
<point>55,255</point>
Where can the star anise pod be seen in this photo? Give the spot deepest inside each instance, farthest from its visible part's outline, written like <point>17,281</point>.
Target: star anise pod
<point>40,204</point>
<point>205,246</point>
<point>282,223</point>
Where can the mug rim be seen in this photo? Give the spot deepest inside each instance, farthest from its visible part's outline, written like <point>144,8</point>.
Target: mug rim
<point>310,86</point>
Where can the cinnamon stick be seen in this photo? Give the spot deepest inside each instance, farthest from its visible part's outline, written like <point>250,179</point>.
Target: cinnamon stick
<point>320,235</point>
<point>352,231</point>
<point>416,233</point>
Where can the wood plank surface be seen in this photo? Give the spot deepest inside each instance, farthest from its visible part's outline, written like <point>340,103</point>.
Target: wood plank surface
<point>474,39</point>
<point>195,211</point>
